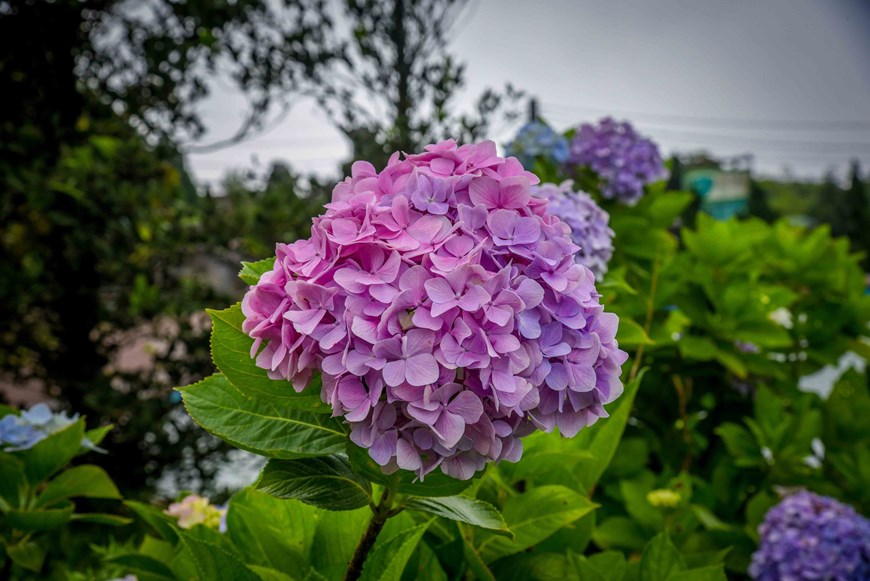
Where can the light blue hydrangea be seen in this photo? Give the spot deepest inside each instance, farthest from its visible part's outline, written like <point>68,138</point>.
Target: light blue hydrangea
<point>22,432</point>
<point>537,139</point>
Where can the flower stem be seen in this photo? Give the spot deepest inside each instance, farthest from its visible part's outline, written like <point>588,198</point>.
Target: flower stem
<point>650,310</point>
<point>379,518</point>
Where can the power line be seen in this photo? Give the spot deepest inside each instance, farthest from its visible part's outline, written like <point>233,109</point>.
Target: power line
<point>747,141</point>
<point>732,122</point>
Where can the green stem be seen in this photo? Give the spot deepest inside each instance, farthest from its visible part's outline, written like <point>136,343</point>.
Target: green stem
<point>381,513</point>
<point>650,310</point>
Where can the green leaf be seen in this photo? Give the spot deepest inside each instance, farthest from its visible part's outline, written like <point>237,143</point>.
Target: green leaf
<point>53,453</point>
<point>435,483</point>
<point>13,483</point>
<point>252,271</point>
<point>660,559</point>
<point>388,558</point>
<point>273,532</point>
<point>142,566</point>
<point>532,517</point>
<point>100,518</point>
<point>602,439</point>
<point>159,521</point>
<point>261,426</point>
<point>619,532</point>
<point>327,482</point>
<point>732,363</point>
<point>231,351</point>
<point>213,562</point>
<point>700,348</point>
<point>268,574</point>
<point>462,509</point>
<point>741,445</point>
<point>97,435</point>
<point>475,562</point>
<point>631,335</point>
<point>666,207</point>
<point>27,554</point>
<point>80,481</point>
<point>712,573</point>
<point>586,571</point>
<point>336,538</point>
<point>39,520</point>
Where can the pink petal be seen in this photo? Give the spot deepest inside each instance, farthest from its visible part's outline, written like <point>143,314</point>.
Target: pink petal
<point>439,290</point>
<point>527,231</point>
<point>407,456</point>
<point>442,166</point>
<point>421,369</point>
<point>450,428</point>
<point>484,191</point>
<point>501,224</point>
<point>474,298</point>
<point>468,406</point>
<point>515,192</point>
<point>394,373</point>
<point>425,229</point>
<point>530,292</point>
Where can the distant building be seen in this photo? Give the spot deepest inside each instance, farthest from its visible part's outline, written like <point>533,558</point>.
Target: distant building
<point>724,193</point>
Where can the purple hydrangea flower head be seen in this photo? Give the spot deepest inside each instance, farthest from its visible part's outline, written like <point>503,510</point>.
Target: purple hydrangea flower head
<point>807,536</point>
<point>623,160</point>
<point>537,139</point>
<point>588,222</point>
<point>442,304</point>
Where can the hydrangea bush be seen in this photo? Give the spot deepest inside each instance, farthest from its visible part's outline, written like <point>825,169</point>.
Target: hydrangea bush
<point>444,308</point>
<point>808,536</point>
<point>39,490</point>
<point>442,318</point>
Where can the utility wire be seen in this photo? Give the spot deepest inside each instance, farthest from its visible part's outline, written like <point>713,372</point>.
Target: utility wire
<point>731,122</point>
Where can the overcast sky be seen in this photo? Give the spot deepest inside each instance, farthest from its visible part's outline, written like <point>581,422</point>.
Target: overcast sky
<point>786,80</point>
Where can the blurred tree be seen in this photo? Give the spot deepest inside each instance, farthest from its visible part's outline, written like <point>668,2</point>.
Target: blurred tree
<point>99,217</point>
<point>395,88</point>
<point>758,205</point>
<point>255,216</point>
<point>153,61</point>
<point>846,210</point>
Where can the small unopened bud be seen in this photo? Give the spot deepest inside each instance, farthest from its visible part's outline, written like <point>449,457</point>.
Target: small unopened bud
<point>664,498</point>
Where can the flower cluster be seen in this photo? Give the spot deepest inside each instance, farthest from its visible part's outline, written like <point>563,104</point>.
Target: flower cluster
<point>537,139</point>
<point>21,432</point>
<point>588,223</point>
<point>195,510</point>
<point>808,536</point>
<point>623,160</point>
<point>443,306</point>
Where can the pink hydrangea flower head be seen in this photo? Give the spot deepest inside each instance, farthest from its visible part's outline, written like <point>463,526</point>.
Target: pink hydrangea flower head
<point>445,309</point>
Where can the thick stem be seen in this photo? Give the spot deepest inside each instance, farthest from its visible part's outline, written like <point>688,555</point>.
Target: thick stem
<point>381,513</point>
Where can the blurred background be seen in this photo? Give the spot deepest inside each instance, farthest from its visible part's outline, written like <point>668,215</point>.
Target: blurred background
<point>148,146</point>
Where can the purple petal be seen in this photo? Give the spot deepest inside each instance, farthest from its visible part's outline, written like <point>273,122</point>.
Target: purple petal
<point>420,370</point>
